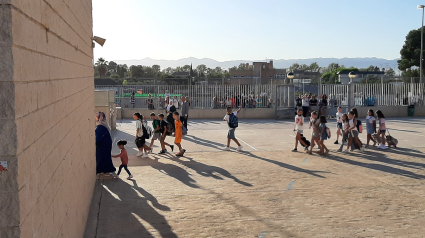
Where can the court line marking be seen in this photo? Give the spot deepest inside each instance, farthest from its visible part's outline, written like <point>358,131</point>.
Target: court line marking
<point>246,143</point>
<point>305,160</point>
<point>263,234</point>
<point>290,185</point>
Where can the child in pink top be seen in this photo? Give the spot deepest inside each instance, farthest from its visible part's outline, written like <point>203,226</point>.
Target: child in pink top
<point>382,129</point>
<point>124,158</point>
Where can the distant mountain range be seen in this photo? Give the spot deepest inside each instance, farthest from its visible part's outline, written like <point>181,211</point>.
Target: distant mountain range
<point>281,63</point>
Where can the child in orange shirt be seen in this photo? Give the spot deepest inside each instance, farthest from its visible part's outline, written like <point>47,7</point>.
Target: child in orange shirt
<point>124,158</point>
<point>178,133</point>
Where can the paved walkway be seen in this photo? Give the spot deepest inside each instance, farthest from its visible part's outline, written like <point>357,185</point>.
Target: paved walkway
<point>265,190</point>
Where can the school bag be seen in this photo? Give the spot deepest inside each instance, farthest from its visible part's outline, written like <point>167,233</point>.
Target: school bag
<point>233,121</point>
<point>307,142</point>
<point>328,132</point>
<point>184,130</point>
<point>391,141</point>
<point>170,128</point>
<point>359,126</point>
<point>147,131</point>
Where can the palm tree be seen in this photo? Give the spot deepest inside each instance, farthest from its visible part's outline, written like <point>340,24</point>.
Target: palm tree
<point>101,64</point>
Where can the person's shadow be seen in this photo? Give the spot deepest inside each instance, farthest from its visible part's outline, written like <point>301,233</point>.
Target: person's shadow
<point>123,212</point>
<point>207,170</point>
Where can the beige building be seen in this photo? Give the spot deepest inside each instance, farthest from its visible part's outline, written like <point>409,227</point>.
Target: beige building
<point>46,117</point>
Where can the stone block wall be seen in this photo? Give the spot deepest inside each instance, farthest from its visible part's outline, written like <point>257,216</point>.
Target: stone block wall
<point>46,117</point>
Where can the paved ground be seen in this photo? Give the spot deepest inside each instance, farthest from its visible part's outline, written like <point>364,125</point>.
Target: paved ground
<point>265,190</point>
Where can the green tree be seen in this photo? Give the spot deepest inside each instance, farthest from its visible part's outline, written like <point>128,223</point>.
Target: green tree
<point>101,64</point>
<point>411,50</point>
<point>112,66</point>
<point>332,76</point>
<point>202,69</point>
<point>314,67</point>
<point>136,71</point>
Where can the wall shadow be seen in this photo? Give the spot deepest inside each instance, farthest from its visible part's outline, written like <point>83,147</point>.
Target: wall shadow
<point>122,209</point>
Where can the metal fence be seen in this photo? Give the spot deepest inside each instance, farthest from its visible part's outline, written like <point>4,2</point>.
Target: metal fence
<point>200,96</point>
<point>380,94</point>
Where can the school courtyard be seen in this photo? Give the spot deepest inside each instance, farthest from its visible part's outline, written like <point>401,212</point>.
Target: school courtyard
<point>265,190</point>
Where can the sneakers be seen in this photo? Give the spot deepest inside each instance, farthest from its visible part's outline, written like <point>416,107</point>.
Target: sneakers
<point>150,150</point>
<point>226,148</point>
<point>339,150</point>
<point>362,149</point>
<point>382,146</point>
<point>130,177</point>
<point>239,148</point>
<point>294,150</point>
<point>336,142</point>
<point>162,152</point>
<point>140,153</point>
<point>145,155</point>
<point>172,148</point>
<point>346,151</point>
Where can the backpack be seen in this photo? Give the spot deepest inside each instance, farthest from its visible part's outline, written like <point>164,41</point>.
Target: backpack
<point>328,132</point>
<point>184,130</point>
<point>359,126</point>
<point>233,121</point>
<point>170,128</point>
<point>147,131</point>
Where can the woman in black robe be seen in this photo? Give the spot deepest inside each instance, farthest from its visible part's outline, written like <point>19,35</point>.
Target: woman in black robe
<point>103,145</point>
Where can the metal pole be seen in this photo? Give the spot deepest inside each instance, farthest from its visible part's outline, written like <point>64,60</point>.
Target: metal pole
<point>422,35</point>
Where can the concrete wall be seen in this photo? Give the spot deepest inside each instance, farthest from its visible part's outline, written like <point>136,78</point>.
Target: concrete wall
<point>46,117</point>
<point>391,111</point>
<point>257,113</point>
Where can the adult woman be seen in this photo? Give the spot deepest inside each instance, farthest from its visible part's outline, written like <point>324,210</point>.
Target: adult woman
<point>103,145</point>
<point>306,104</point>
<point>170,110</point>
<point>150,102</point>
<point>323,105</point>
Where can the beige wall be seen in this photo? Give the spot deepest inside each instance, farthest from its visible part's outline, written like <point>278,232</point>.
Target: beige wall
<point>257,113</point>
<point>46,117</point>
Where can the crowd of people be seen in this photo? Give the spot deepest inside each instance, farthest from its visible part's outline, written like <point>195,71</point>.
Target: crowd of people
<point>348,128</point>
<point>309,103</point>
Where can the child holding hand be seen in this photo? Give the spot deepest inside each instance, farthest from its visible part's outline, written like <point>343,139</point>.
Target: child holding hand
<point>124,158</point>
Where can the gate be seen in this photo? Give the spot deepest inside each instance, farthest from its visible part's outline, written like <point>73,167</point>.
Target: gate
<point>338,96</point>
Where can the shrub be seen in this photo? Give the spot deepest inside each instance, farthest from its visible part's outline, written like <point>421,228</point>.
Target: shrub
<point>115,76</point>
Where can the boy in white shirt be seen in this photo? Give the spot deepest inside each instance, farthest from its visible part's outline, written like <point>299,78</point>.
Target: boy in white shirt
<point>299,126</point>
<point>232,128</point>
<point>338,124</point>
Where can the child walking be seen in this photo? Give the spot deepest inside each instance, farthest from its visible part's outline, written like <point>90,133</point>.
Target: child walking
<point>338,124</point>
<point>163,130</point>
<point>370,127</point>
<point>178,133</point>
<point>323,135</point>
<point>353,133</point>
<point>345,127</point>
<point>231,131</point>
<point>156,130</point>
<point>382,129</point>
<point>315,134</point>
<point>140,138</point>
<point>124,158</point>
<point>299,125</point>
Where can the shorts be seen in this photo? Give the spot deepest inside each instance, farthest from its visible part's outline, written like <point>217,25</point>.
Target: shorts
<point>231,133</point>
<point>299,131</point>
<point>354,134</point>
<point>339,125</point>
<point>178,139</point>
<point>382,131</point>
<point>315,134</point>
<point>140,142</point>
<point>156,136</point>
<point>324,136</point>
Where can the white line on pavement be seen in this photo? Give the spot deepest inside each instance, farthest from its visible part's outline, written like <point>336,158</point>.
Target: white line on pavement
<point>246,143</point>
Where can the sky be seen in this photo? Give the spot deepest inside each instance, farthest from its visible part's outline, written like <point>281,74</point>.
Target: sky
<point>253,29</point>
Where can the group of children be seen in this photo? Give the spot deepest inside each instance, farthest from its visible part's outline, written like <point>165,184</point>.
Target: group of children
<point>160,129</point>
<point>348,127</point>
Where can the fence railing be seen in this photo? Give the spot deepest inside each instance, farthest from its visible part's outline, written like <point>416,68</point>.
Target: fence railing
<point>200,96</point>
<point>380,94</point>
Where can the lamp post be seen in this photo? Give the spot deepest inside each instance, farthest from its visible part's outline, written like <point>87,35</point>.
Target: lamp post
<point>422,34</point>
<point>352,75</point>
<point>290,76</point>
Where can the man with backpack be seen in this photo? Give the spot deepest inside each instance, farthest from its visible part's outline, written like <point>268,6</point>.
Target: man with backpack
<point>232,122</point>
